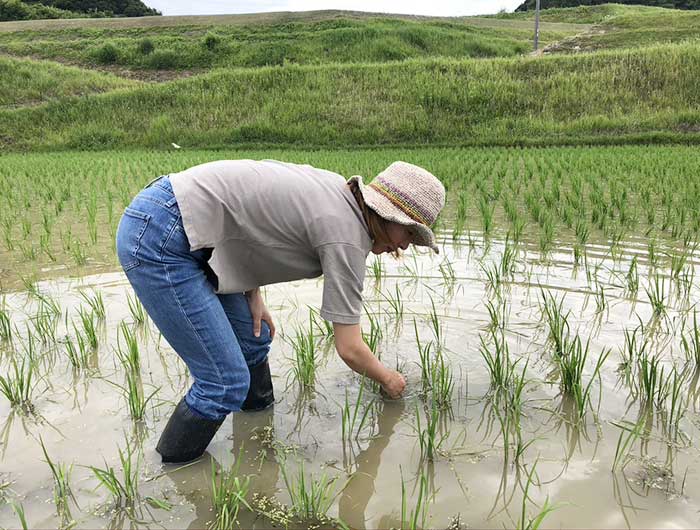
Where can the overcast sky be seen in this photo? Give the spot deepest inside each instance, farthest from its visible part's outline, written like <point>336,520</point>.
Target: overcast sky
<point>431,7</point>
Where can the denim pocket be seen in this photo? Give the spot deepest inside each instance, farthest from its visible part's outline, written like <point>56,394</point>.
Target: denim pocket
<point>131,228</point>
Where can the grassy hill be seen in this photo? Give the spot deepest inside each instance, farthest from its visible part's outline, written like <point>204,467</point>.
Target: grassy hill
<point>27,83</point>
<point>343,79</point>
<point>318,38</point>
<point>613,97</point>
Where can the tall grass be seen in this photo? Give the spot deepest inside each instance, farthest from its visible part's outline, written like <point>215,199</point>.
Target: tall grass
<point>390,93</point>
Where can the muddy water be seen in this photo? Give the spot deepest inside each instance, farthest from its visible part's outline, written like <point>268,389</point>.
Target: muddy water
<point>83,419</point>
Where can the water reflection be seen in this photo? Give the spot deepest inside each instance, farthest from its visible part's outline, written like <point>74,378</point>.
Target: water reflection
<point>353,503</point>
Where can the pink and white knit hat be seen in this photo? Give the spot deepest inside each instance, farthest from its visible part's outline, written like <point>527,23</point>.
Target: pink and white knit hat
<point>408,195</point>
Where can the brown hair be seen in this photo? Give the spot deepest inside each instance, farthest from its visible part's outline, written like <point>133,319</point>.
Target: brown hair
<point>377,224</point>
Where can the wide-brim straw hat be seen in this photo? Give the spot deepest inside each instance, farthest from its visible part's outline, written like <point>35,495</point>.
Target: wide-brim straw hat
<point>408,195</point>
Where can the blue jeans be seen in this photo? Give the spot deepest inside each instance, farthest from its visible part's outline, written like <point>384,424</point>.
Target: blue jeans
<point>212,333</point>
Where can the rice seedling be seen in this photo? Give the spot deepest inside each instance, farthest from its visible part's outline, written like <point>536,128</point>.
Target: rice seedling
<point>228,495</point>
<point>437,381</point>
<point>656,292</point>
<point>571,366</point>
<point>87,319</point>
<point>435,324</point>
<point>557,321</point>
<point>395,302</point>
<point>416,518</point>
<point>62,493</point>
<point>497,360</point>
<point>18,383</point>
<point>135,396</point>
<point>79,353</point>
<point>5,323</point>
<point>493,276</point>
<point>429,439</point>
<point>44,322</point>
<point>304,361</point>
<point>632,278</point>
<point>498,314</point>
<point>19,510</point>
<point>374,337</point>
<point>486,211</point>
<point>508,257</point>
<point>678,261</point>
<point>349,415</point>
<point>601,303</point>
<point>128,351</point>
<point>532,523</point>
<point>690,342</point>
<point>311,496</point>
<point>447,271</point>
<point>77,250</point>
<point>629,433</point>
<point>124,490</point>
<point>377,269</point>
<point>651,378</point>
<point>323,326</point>
<point>96,304</point>
<point>678,404</point>
<point>136,309</point>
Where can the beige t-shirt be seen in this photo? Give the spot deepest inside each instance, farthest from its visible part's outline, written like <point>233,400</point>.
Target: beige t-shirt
<point>270,222</point>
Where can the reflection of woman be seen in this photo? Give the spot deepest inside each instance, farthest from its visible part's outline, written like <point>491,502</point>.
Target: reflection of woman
<point>197,245</point>
<point>352,506</point>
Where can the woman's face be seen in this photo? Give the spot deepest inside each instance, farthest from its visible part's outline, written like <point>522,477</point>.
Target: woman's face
<point>400,237</point>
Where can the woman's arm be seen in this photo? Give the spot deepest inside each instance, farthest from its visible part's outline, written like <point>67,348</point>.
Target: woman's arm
<point>357,355</point>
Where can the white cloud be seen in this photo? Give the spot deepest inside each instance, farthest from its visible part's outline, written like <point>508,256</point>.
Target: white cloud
<point>434,7</point>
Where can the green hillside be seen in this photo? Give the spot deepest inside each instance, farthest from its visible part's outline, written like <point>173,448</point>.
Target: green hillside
<point>52,9</point>
<point>330,38</point>
<point>529,5</point>
<point>342,79</point>
<point>614,97</point>
<point>25,82</point>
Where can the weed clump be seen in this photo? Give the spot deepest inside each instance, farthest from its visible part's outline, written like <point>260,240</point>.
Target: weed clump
<point>162,60</point>
<point>106,54</point>
<point>211,41</point>
<point>145,46</point>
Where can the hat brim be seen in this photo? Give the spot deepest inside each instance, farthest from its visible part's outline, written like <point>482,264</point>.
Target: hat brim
<point>424,236</point>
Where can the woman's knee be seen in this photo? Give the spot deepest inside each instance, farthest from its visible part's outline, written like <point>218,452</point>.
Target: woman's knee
<point>215,400</point>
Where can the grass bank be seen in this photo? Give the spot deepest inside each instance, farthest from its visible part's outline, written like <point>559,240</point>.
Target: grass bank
<point>644,95</point>
<point>26,82</point>
<point>340,39</point>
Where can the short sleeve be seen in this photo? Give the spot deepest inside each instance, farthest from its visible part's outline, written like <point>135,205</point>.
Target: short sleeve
<point>343,268</point>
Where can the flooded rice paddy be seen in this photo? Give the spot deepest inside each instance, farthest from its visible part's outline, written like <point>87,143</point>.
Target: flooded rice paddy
<point>552,382</point>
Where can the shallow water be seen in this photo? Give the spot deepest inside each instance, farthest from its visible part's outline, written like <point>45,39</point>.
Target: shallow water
<point>83,419</point>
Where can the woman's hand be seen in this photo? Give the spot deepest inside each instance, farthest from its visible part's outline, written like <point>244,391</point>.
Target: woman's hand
<point>393,384</point>
<point>259,312</point>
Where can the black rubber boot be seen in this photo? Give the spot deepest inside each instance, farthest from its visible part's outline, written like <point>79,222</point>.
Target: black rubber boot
<point>186,435</point>
<point>260,394</point>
